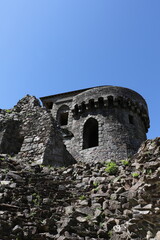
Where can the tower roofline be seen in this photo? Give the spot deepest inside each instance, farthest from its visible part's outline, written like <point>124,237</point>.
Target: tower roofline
<point>72,92</point>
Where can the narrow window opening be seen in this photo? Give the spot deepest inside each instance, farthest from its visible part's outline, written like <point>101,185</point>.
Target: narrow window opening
<point>62,115</point>
<point>131,120</point>
<point>49,105</point>
<point>64,118</point>
<point>76,109</point>
<point>83,107</point>
<point>110,101</point>
<point>101,102</point>
<point>91,103</point>
<point>90,133</point>
<point>120,101</point>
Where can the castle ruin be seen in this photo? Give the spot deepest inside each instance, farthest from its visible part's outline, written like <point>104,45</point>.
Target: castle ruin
<point>100,123</point>
<point>88,125</point>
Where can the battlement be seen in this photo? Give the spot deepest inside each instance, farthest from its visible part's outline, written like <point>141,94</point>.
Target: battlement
<point>110,101</point>
<point>88,125</point>
<point>101,122</point>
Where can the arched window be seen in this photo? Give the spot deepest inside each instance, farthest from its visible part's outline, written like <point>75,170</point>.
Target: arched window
<point>90,133</point>
<point>62,115</point>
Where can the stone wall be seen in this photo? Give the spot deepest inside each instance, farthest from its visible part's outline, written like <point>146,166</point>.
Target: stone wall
<point>122,118</point>
<point>30,131</point>
<point>121,115</point>
<point>118,139</point>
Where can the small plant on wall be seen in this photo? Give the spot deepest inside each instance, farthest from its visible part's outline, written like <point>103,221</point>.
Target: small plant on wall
<point>135,174</point>
<point>125,162</point>
<point>111,168</point>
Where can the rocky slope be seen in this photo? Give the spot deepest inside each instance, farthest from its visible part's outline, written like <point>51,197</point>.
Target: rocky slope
<point>82,201</point>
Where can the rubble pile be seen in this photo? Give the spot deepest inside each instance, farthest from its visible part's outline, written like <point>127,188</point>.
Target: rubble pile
<point>82,201</point>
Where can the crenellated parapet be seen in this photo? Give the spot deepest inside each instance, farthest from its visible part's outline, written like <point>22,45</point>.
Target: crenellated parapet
<point>107,97</point>
<point>102,103</point>
<point>100,123</point>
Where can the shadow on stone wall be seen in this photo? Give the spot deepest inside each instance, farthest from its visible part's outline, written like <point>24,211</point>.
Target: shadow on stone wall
<point>29,131</point>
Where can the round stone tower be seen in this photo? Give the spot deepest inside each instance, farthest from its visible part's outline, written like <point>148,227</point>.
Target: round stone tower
<point>100,123</point>
<point>108,123</point>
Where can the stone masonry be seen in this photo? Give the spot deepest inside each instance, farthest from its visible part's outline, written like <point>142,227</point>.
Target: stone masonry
<point>100,123</point>
<point>30,131</point>
<point>89,125</point>
<point>66,171</point>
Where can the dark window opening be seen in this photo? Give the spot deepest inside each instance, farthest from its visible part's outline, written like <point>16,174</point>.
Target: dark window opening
<point>91,103</point>
<point>110,101</point>
<point>76,109</point>
<point>62,115</point>
<point>63,119</point>
<point>101,102</point>
<point>90,133</point>
<point>131,120</point>
<point>83,107</point>
<point>49,105</point>
<point>120,101</point>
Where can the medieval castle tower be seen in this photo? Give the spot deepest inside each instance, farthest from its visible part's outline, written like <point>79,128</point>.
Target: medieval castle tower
<point>100,123</point>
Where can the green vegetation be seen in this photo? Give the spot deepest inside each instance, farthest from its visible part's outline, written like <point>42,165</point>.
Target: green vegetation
<point>149,171</point>
<point>111,168</point>
<point>96,184</point>
<point>82,197</point>
<point>135,174</point>
<point>125,162</point>
<point>110,233</point>
<point>8,111</point>
<point>36,199</point>
<point>88,217</point>
<point>32,214</point>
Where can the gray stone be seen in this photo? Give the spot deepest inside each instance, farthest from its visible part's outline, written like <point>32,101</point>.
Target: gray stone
<point>34,122</point>
<point>118,117</point>
<point>16,229</point>
<point>69,210</point>
<point>158,235</point>
<point>81,219</point>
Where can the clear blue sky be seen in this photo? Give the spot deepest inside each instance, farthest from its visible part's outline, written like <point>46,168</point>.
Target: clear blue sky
<point>54,46</point>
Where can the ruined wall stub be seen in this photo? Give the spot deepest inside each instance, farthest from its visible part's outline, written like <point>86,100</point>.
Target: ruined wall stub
<point>30,132</point>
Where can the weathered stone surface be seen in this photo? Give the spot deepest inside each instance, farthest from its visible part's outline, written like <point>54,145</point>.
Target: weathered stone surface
<point>82,201</point>
<point>100,123</point>
<point>47,202</point>
<point>30,131</point>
